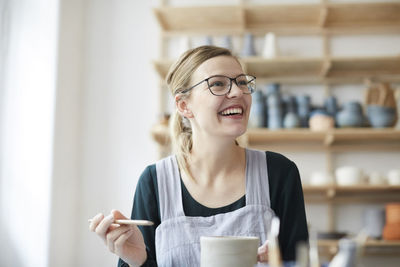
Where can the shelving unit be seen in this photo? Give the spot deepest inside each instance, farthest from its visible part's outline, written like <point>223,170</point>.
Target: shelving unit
<point>325,20</point>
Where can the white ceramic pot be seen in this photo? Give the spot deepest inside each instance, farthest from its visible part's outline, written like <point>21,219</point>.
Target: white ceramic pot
<point>319,178</point>
<point>393,177</point>
<point>228,251</point>
<point>348,176</point>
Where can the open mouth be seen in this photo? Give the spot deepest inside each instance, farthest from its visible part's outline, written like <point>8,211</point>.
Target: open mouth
<point>231,112</point>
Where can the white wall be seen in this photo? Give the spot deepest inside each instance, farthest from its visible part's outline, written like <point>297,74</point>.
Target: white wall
<point>27,109</point>
<point>119,105</point>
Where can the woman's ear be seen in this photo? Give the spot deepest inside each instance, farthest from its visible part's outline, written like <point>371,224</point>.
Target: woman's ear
<point>182,106</point>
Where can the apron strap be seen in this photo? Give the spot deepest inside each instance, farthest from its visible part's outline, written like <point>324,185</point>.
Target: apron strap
<point>169,188</point>
<point>257,185</point>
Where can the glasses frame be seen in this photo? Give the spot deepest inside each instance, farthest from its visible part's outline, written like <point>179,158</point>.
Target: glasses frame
<point>230,85</point>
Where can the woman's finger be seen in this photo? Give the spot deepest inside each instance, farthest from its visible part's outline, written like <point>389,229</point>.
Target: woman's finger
<point>113,235</point>
<point>103,226</point>
<point>263,253</point>
<point>120,241</point>
<point>95,221</point>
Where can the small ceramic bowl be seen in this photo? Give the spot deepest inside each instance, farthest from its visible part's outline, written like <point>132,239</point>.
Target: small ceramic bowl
<point>348,176</point>
<point>380,116</point>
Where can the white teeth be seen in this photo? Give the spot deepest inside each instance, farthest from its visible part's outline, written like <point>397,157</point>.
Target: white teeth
<point>230,111</point>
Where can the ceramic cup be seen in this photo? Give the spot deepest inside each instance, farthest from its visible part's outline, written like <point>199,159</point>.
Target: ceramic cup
<point>228,251</point>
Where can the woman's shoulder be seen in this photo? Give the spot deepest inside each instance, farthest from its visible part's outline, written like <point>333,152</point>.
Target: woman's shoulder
<point>278,158</point>
<point>148,178</point>
<point>274,158</point>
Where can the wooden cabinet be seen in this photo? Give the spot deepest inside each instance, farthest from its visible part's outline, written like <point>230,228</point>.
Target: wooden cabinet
<point>325,20</point>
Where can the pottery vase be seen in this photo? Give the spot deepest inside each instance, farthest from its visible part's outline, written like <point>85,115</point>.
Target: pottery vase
<point>256,118</point>
<point>270,46</point>
<point>274,102</point>
<point>227,42</point>
<point>351,115</point>
<point>248,49</point>
<point>303,109</point>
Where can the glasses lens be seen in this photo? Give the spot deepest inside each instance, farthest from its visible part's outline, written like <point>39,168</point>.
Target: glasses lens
<point>247,83</point>
<point>219,85</point>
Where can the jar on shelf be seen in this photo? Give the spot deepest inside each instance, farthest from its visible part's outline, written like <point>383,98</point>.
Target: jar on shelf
<point>303,109</point>
<point>274,104</point>
<point>351,115</point>
<point>248,49</point>
<point>257,112</point>
<point>291,119</point>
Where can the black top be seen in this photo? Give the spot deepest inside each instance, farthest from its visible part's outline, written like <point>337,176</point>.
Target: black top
<point>286,198</point>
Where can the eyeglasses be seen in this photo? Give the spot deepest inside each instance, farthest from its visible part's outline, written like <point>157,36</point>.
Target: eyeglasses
<point>221,85</point>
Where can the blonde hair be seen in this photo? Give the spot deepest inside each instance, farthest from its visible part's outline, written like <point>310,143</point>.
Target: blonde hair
<point>178,79</point>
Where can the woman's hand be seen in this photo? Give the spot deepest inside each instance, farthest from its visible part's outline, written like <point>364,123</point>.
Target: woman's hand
<point>124,240</point>
<point>263,253</point>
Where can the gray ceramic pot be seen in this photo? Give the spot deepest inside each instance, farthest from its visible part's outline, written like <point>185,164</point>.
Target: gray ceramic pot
<point>351,115</point>
<point>380,116</point>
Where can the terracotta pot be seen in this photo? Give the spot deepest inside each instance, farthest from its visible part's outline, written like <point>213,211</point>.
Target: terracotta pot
<point>391,231</point>
<point>393,213</point>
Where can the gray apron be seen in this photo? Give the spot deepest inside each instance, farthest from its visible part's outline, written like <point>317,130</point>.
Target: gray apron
<point>178,236</point>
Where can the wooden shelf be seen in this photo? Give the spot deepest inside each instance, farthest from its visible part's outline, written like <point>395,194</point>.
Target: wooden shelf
<point>281,19</point>
<point>353,194</point>
<point>381,247</point>
<point>341,139</point>
<point>314,70</point>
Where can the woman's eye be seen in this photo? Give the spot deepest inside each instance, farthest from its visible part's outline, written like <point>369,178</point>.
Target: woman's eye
<point>217,84</point>
<point>243,82</point>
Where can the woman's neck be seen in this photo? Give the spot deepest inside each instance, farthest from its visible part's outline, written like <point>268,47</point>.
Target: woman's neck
<point>215,159</point>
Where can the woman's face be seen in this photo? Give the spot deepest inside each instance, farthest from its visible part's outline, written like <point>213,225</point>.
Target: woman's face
<point>212,115</point>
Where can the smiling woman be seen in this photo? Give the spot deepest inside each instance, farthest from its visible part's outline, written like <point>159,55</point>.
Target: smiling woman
<point>210,186</point>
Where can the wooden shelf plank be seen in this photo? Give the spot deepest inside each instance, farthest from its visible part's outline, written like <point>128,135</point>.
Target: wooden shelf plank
<point>282,19</point>
<point>293,139</point>
<point>199,18</point>
<point>310,70</point>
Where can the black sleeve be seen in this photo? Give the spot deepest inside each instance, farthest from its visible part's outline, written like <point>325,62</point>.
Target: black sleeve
<point>287,201</point>
<point>146,207</point>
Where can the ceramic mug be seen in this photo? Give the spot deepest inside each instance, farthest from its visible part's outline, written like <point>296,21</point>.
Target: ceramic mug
<point>228,251</point>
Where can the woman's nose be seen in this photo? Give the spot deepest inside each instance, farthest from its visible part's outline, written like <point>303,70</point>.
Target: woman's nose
<point>235,91</point>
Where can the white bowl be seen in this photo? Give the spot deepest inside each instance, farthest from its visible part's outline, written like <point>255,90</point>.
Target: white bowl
<point>348,176</point>
<point>319,178</point>
<point>228,251</point>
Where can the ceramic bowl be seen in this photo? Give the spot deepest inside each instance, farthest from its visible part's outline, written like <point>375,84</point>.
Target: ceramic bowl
<point>228,251</point>
<point>321,121</point>
<point>318,178</point>
<point>348,176</point>
<point>380,116</point>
